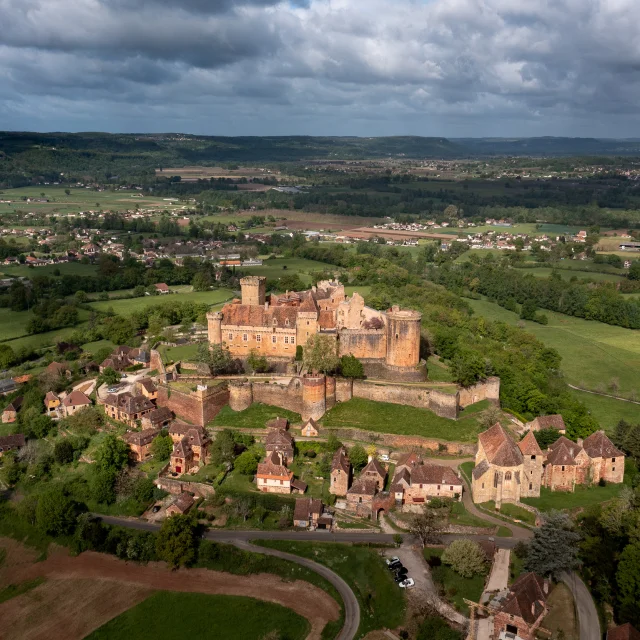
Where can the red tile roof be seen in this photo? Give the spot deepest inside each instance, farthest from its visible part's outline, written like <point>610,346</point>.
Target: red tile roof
<point>554,421</point>
<point>529,445</point>
<point>597,445</point>
<point>76,399</point>
<point>526,597</point>
<point>499,448</point>
<point>623,632</point>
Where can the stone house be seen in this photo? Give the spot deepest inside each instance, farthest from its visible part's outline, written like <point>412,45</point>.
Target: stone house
<point>506,471</point>
<point>10,413</point>
<point>554,421</point>
<point>51,403</point>
<point>75,401</point>
<point>523,608</point>
<point>140,443</point>
<point>58,369</point>
<point>180,505</point>
<point>181,460</point>
<point>360,496</point>
<point>190,449</point>
<point>127,408</point>
<point>310,428</point>
<point>148,389</point>
<point>273,476</point>
<point>340,473</point>
<point>417,483</point>
<point>280,441</point>
<point>375,471</point>
<point>11,443</point>
<point>606,460</point>
<point>158,418</point>
<point>308,513</point>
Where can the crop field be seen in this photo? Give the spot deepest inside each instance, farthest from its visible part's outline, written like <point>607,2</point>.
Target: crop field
<point>130,305</point>
<point>594,354</point>
<point>166,616</point>
<point>80,199</point>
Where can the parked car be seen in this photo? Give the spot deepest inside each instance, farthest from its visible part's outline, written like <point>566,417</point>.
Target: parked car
<point>401,576</point>
<point>384,457</point>
<point>395,566</point>
<point>392,560</point>
<point>407,584</point>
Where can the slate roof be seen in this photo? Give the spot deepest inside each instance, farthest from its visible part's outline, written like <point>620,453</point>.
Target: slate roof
<point>480,469</point>
<point>597,445</point>
<point>363,487</point>
<point>7,385</point>
<point>499,448</point>
<point>529,445</point>
<point>299,485</point>
<point>161,414</point>
<point>13,440</point>
<point>340,460</point>
<point>140,438</point>
<point>526,598</point>
<point>306,507</point>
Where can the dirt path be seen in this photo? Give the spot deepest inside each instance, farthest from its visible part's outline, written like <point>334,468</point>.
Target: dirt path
<point>305,599</point>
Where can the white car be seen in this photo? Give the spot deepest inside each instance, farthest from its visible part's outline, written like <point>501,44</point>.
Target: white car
<point>406,584</point>
<point>392,560</point>
<point>384,458</point>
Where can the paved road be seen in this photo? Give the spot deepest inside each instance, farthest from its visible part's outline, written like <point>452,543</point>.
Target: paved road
<point>585,607</point>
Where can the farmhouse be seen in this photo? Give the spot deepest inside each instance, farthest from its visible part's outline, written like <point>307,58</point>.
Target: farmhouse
<point>162,287</point>
<point>387,343</point>
<point>140,443</point>
<point>273,476</point>
<point>416,482</point>
<point>75,401</point>
<point>180,505</point>
<point>10,413</point>
<point>127,408</point>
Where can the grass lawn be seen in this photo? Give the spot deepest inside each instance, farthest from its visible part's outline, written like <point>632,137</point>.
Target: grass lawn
<point>511,511</point>
<point>94,347</point>
<point>42,340</point>
<point>459,515</point>
<point>581,497</point>
<point>562,616</point>
<point>278,267</point>
<point>127,306</point>
<point>381,600</point>
<point>185,352</point>
<point>567,274</point>
<point>168,615</point>
<point>255,417</point>
<point>438,372</point>
<point>593,353</point>
<point>608,411</point>
<point>453,586</point>
<point>384,417</point>
<point>50,270</point>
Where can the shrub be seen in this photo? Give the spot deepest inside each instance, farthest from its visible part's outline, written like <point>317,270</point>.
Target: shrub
<point>465,557</point>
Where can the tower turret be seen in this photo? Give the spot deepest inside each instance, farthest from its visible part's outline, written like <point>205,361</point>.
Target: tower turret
<point>253,290</point>
<point>214,327</point>
<point>403,337</point>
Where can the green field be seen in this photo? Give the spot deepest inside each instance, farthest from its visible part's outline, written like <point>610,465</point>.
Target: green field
<point>608,411</point>
<point>511,511</point>
<point>384,417</point>
<point>381,600</point>
<point>275,268</point>
<point>51,270</point>
<point>168,615</point>
<point>255,417</point>
<point>581,497</point>
<point>593,353</point>
<point>185,352</point>
<point>567,274</point>
<point>131,305</point>
<point>453,586</point>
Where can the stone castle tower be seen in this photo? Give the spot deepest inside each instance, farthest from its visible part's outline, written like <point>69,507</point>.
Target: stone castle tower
<point>403,337</point>
<point>253,290</point>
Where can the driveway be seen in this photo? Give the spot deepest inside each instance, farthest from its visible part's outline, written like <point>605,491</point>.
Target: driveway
<point>585,607</point>
<point>499,578</point>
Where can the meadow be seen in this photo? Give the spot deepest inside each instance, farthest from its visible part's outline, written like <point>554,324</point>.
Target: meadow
<point>168,615</point>
<point>594,354</point>
<point>567,274</point>
<point>278,267</point>
<point>50,270</point>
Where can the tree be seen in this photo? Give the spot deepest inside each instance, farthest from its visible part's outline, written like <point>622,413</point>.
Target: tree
<point>161,447</point>
<point>81,296</point>
<point>55,512</point>
<point>628,581</point>
<point>528,309</point>
<point>176,541</point>
<point>321,354</point>
<point>108,376</point>
<point>102,485</point>
<point>333,444</point>
<point>467,368</point>
<point>634,270</point>
<point>216,356</point>
<point>546,437</point>
<point>257,363</point>
<point>351,367</point>
<point>358,457</point>
<point>223,448</point>
<point>554,547</point>
<point>7,356</point>
<point>490,416</point>
<point>63,451</point>
<point>465,557</point>
<point>427,526</point>
<point>112,454</point>
<point>246,463</point>
<point>84,422</point>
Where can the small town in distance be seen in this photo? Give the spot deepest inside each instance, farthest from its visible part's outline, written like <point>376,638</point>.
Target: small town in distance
<point>377,395</point>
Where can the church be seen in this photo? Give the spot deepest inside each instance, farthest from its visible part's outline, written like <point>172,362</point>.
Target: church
<point>386,342</point>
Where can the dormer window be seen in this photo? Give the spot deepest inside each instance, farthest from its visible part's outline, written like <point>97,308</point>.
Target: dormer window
<point>286,322</point>
<point>275,322</point>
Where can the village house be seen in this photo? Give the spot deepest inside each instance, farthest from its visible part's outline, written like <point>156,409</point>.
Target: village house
<point>340,473</point>
<point>51,403</point>
<point>520,612</point>
<point>140,443</point>
<point>309,514</point>
<point>148,389</point>
<point>506,471</point>
<point>554,421</point>
<point>11,443</point>
<point>10,413</point>
<point>124,357</point>
<point>58,369</point>
<point>415,482</point>
<point>190,448</point>
<point>181,505</point>
<point>7,386</point>
<point>157,419</point>
<point>374,471</point>
<point>127,408</point>
<point>273,476</point>
<point>360,496</point>
<point>162,287</point>
<point>280,441</point>
<point>75,401</point>
<point>310,429</point>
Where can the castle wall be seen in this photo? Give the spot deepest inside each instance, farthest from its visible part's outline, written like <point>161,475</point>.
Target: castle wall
<point>344,389</point>
<point>363,343</point>
<point>253,290</point>
<point>288,397</point>
<point>403,338</point>
<point>240,395</point>
<point>198,407</point>
<point>313,397</point>
<point>487,390</point>
<point>267,341</point>
<point>214,327</point>
<point>330,392</point>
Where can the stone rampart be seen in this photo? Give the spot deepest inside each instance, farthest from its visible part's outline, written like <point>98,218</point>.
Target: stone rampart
<point>363,343</point>
<point>288,397</point>
<point>486,390</point>
<point>176,487</point>
<point>197,407</point>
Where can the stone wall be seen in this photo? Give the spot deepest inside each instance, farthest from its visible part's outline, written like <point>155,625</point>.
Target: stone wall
<point>288,397</point>
<point>176,487</point>
<point>363,343</point>
<point>487,390</point>
<point>197,407</point>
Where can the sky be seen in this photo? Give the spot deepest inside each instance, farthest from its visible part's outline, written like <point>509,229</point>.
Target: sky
<point>454,68</point>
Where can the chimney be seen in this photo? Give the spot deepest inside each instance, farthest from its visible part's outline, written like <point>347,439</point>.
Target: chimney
<point>546,586</point>
<point>370,458</point>
<point>579,442</point>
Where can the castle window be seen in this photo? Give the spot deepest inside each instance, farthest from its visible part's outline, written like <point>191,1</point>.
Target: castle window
<point>396,336</point>
<point>274,339</point>
<point>275,322</point>
<point>245,337</point>
<point>230,337</point>
<point>438,487</point>
<point>483,485</point>
<point>286,322</point>
<point>530,486</point>
<point>533,457</point>
<point>307,324</point>
<point>562,467</point>
<point>450,488</point>
<point>613,459</point>
<point>613,468</point>
<point>495,479</point>
<point>507,476</point>
<point>258,338</point>
<point>293,340</point>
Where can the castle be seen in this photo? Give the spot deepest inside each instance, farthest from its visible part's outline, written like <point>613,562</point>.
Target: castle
<point>387,343</point>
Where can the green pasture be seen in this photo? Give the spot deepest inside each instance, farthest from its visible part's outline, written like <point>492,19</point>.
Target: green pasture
<point>185,352</point>
<point>51,270</point>
<point>609,411</point>
<point>169,615</point>
<point>579,498</point>
<point>278,267</point>
<point>594,354</point>
<point>127,306</point>
<point>255,417</point>
<point>567,274</point>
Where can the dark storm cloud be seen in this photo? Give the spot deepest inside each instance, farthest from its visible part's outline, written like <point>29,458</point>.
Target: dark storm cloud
<point>441,67</point>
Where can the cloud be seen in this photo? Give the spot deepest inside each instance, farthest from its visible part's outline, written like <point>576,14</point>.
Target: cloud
<point>437,67</point>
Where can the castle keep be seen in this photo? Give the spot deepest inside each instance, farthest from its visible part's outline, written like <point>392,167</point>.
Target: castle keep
<point>387,343</point>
